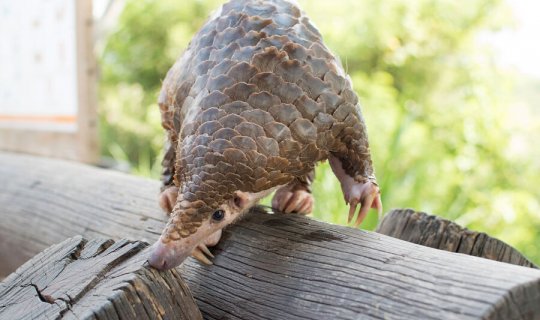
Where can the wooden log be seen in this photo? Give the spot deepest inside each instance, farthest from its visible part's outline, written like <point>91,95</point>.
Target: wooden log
<point>44,201</point>
<point>436,232</point>
<point>267,266</point>
<point>292,267</point>
<point>97,279</point>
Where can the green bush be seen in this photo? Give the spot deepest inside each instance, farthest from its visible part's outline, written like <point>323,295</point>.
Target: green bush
<point>436,108</point>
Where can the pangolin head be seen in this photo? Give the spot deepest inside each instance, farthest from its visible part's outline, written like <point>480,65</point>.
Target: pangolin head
<point>209,199</point>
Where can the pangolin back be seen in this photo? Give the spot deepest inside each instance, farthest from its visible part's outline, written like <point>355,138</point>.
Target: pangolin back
<point>256,100</point>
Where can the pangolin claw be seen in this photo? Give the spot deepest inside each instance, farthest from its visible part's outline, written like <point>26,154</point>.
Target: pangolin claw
<point>205,250</point>
<point>365,205</point>
<point>202,254</point>
<point>367,201</point>
<point>201,251</point>
<point>352,210</point>
<point>297,201</point>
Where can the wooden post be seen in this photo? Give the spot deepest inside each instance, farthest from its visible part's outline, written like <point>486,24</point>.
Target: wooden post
<point>98,279</point>
<point>439,233</point>
<point>268,266</point>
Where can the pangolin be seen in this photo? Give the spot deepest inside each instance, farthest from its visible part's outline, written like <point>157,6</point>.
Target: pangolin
<point>252,105</point>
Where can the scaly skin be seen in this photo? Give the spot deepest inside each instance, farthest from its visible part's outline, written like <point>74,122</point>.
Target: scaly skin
<point>253,104</point>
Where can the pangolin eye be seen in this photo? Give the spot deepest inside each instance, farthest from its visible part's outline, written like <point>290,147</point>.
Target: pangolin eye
<point>218,215</point>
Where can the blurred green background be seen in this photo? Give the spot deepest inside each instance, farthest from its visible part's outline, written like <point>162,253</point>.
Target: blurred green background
<point>447,133</point>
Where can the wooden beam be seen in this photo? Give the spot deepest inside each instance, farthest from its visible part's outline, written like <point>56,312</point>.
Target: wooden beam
<point>98,279</point>
<point>436,232</point>
<point>268,266</point>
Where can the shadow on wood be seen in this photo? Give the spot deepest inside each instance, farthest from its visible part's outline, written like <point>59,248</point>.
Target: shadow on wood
<point>268,266</point>
<point>97,279</point>
<point>439,233</point>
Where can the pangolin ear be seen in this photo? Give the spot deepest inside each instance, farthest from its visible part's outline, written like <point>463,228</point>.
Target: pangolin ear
<point>241,199</point>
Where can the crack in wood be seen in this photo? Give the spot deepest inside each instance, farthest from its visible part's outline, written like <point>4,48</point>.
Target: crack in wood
<point>44,298</point>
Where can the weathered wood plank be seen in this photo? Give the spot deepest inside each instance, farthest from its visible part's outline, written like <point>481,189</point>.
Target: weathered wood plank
<point>291,267</point>
<point>45,201</point>
<point>267,266</point>
<point>436,232</point>
<point>97,279</point>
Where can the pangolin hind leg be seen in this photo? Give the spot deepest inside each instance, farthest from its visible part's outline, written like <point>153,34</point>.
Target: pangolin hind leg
<point>296,196</point>
<point>356,191</point>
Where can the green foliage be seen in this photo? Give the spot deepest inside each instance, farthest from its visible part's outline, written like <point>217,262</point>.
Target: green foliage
<point>441,131</point>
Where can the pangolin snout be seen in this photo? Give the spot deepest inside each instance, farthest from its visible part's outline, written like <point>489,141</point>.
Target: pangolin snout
<point>165,256</point>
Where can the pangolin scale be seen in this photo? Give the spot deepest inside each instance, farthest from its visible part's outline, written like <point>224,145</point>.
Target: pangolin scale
<point>255,101</point>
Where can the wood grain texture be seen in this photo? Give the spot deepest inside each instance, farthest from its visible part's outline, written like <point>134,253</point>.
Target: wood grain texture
<point>267,266</point>
<point>292,267</point>
<point>44,201</point>
<point>97,279</point>
<point>436,232</point>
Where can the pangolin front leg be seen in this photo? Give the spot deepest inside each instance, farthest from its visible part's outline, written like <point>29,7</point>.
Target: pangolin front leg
<point>357,190</point>
<point>167,199</point>
<point>296,196</point>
